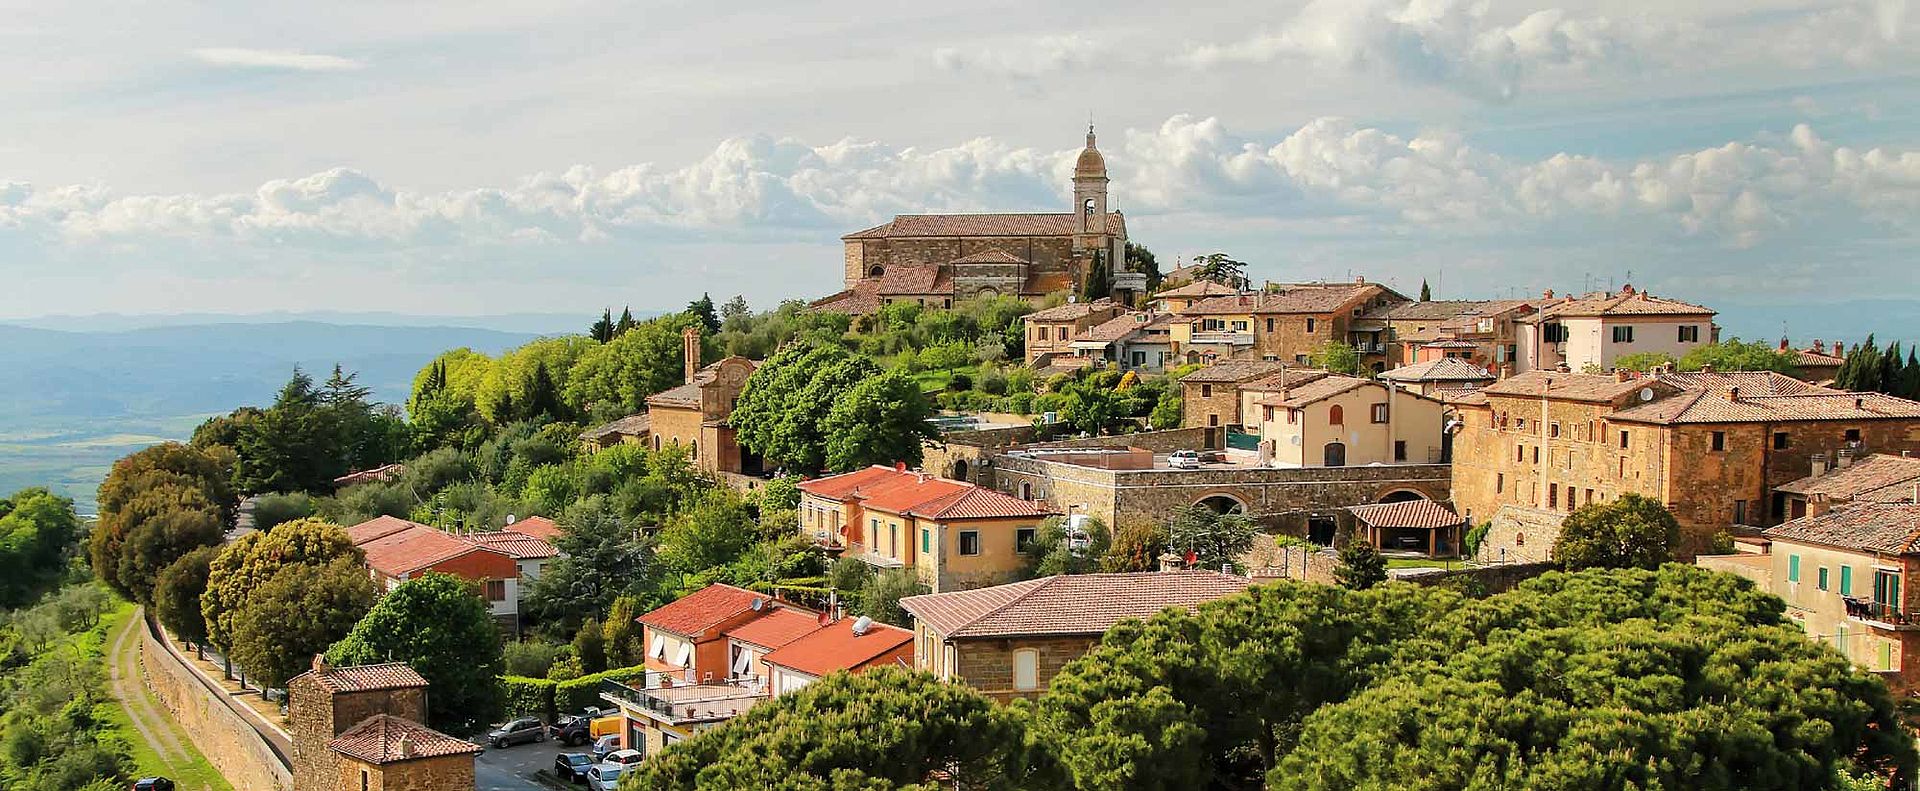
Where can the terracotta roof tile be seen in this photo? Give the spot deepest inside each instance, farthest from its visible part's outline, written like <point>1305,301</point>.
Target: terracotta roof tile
<point>1235,371</point>
<point>378,527</point>
<point>1635,303</point>
<point>1072,311</point>
<point>1198,288</point>
<point>415,548</point>
<point>517,545</point>
<point>836,647</point>
<point>979,502</point>
<point>1749,382</point>
<point>1574,387</point>
<point>1877,476</point>
<point>837,487</point>
<point>1412,513</point>
<point>1893,528</point>
<point>1295,299</point>
<point>992,255</point>
<point>1430,310</point>
<point>860,300</point>
<point>629,426</point>
<point>695,613</point>
<point>1070,604</point>
<point>1117,327</point>
<point>779,626</point>
<point>960,225</point>
<point>1445,369</point>
<point>914,279</point>
<point>1319,389</point>
<point>1713,406</point>
<point>367,678</point>
<point>1808,358</point>
<point>537,526</point>
<point>385,739</point>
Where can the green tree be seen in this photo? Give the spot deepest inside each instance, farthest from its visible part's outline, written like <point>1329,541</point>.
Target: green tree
<point>505,392</point>
<point>603,556</point>
<point>1168,410</point>
<point>625,323</point>
<point>1361,566</point>
<point>1734,354</point>
<point>1644,361</point>
<point>1860,371</point>
<point>879,421</point>
<point>602,329</point>
<point>1140,259</point>
<point>735,311</point>
<point>438,625</point>
<point>1426,291</point>
<point>702,310</point>
<point>622,633</point>
<point>296,613</point>
<point>1338,357</point>
<point>780,411</point>
<point>162,537</point>
<point>1058,549</point>
<point>243,566</point>
<point>1212,539</point>
<point>880,598</point>
<point>273,509</point>
<point>37,527</point>
<point>1099,280</point>
<point>590,646</point>
<point>713,532</point>
<point>1221,268</point>
<point>883,729</point>
<point>176,594</point>
<point>1136,546</point>
<point>617,377</point>
<point>167,463</point>
<point>1631,531</point>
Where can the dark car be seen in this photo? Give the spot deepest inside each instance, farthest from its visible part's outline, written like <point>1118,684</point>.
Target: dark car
<point>520,731</point>
<point>573,730</point>
<point>153,784</point>
<point>572,767</point>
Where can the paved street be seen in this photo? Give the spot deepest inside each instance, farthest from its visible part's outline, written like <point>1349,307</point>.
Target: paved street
<point>512,768</point>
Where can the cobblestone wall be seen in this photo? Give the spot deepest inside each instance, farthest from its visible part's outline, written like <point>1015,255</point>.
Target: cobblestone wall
<point>228,740</point>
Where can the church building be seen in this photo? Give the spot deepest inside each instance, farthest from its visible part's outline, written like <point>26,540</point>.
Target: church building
<point>936,259</point>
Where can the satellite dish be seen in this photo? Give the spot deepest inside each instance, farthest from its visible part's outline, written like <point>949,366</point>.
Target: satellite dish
<point>1646,394</point>
<point>759,604</point>
<point>862,625</point>
<point>1294,440</point>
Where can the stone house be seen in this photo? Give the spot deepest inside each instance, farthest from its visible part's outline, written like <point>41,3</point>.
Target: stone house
<point>1134,340</point>
<point>358,729</point>
<point>1814,363</point>
<point>1009,641</point>
<point>1875,478</point>
<point>629,430</point>
<point>1210,397</point>
<point>1587,334</point>
<point>1843,574</point>
<point>1711,446</point>
<point>855,645</point>
<point>1050,332</point>
<point>1285,323</point>
<point>1483,332</point>
<point>694,415</point>
<point>1181,297</point>
<point>1317,419</point>
<point>1435,377</point>
<point>953,535</point>
<point>936,259</point>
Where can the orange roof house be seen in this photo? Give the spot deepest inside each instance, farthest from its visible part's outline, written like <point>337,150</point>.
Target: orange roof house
<point>850,644</point>
<point>537,526</point>
<point>687,637</point>
<point>398,550</point>
<point>953,534</point>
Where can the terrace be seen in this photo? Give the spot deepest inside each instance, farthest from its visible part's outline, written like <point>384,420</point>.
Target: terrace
<point>680,705</point>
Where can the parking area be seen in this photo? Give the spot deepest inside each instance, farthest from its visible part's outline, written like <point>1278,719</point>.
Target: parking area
<point>515,768</point>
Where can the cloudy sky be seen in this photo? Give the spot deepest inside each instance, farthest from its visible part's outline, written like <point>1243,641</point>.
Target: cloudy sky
<point>491,157</point>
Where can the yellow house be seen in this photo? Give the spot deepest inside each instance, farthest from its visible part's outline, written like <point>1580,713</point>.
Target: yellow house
<point>954,535</point>
<point>1330,420</point>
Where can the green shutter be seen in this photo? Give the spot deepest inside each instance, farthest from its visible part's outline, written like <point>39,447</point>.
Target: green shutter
<point>1793,568</point>
<point>1823,577</point>
<point>1846,580</point>
<point>926,540</point>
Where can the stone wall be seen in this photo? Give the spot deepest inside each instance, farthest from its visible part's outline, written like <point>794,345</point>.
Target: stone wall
<point>1520,535</point>
<point>440,773</point>
<point>1483,580</point>
<point>1289,497</point>
<point>1192,438</point>
<point>987,665</point>
<point>212,720</point>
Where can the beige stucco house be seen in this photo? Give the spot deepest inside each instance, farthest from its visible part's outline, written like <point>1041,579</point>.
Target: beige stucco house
<point>1330,420</point>
<point>1588,334</point>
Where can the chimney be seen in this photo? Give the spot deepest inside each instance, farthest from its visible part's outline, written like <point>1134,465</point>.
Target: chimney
<point>1627,288</point>
<point>1839,349</point>
<point>1622,375</point>
<point>1547,294</point>
<point>1707,368</point>
<point>320,663</point>
<point>1360,279</point>
<point>404,747</point>
<point>690,350</point>
<point>1783,343</point>
<point>1733,393</point>
<point>1819,464</point>
<point>1818,505</point>
<point>899,466</point>
<point>1819,346</point>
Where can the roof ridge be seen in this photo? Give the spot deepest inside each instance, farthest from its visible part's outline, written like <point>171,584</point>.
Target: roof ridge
<point>1040,584</point>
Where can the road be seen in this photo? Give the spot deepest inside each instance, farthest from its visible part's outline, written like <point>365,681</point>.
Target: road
<point>513,768</point>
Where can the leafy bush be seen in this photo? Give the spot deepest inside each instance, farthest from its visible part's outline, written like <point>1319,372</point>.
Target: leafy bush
<point>569,697</point>
<point>531,658</point>
<point>273,509</point>
<point>532,697</point>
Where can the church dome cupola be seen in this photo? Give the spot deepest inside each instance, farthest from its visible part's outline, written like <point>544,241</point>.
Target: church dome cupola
<point>1090,162</point>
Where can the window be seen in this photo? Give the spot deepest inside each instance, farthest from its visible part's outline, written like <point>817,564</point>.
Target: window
<point>1499,482</point>
<point>1821,583</point>
<point>1553,333</point>
<point>1026,669</point>
<point>684,656</point>
<point>1689,333</point>
<point>1023,538</point>
<point>1846,580</point>
<point>1719,440</point>
<point>1269,325</point>
<point>1553,430</point>
<point>496,590</point>
<point>1853,435</point>
<point>1623,437</point>
<point>1293,416</point>
<point>1399,450</point>
<point>1739,512</point>
<point>1793,568</point>
<point>1268,411</point>
<point>1519,453</point>
<point>365,778</point>
<point>1213,420</point>
<point>1589,497</point>
<point>1379,413</point>
<point>1309,326</point>
<point>1781,441</point>
<point>1206,391</point>
<point>1622,334</point>
<point>1536,455</point>
<point>658,649</point>
<point>926,540</point>
<point>893,540</point>
<point>1336,415</point>
<point>1519,424</point>
<point>969,542</point>
<point>1886,588</point>
<point>1553,495</point>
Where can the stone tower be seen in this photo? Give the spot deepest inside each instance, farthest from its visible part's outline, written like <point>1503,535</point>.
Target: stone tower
<point>358,728</point>
<point>1090,195</point>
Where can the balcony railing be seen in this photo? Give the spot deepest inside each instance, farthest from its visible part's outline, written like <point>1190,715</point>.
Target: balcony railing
<point>1881,612</point>
<point>1224,336</point>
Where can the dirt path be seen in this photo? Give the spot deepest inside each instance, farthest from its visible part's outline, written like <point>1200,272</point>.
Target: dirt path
<point>123,665</point>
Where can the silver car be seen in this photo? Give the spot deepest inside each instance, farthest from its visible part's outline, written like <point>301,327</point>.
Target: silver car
<point>605,777</point>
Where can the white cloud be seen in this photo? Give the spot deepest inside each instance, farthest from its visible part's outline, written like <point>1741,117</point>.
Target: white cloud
<point>283,60</point>
<point>1025,59</point>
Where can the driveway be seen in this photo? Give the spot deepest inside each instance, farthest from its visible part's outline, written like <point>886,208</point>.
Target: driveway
<point>513,768</point>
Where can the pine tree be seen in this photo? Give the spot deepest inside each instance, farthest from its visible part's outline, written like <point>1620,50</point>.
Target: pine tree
<point>1426,292</point>
<point>1910,376</point>
<point>543,398</point>
<point>1892,369</point>
<point>602,330</point>
<point>626,322</point>
<point>702,309</point>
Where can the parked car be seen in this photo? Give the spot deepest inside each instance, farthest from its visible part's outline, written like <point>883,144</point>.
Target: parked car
<point>573,730</point>
<point>1184,460</point>
<point>605,746</point>
<point>624,757</point>
<point>520,731</point>
<point>153,784</point>
<point>572,767</point>
<point>605,777</point>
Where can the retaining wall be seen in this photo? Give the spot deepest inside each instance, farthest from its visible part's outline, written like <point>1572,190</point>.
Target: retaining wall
<point>231,741</point>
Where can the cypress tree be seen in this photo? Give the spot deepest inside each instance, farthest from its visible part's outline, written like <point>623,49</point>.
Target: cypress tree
<point>1426,292</point>
<point>626,322</point>
<point>543,398</point>
<point>602,330</point>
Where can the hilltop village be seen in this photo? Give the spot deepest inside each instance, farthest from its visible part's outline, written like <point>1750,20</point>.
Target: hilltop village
<point>1224,530</point>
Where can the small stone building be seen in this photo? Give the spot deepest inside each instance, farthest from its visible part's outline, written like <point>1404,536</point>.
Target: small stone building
<point>358,729</point>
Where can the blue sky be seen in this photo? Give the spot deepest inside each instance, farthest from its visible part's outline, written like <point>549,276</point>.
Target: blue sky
<point>486,157</point>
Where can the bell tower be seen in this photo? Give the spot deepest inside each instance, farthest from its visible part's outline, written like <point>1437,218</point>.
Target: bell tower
<point>1090,193</point>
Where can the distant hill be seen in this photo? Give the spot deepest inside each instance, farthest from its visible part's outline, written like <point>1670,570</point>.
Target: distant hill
<point>72,402</point>
<point>535,323</point>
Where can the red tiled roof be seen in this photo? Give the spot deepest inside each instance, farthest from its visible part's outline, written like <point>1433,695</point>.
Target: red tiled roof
<point>920,494</point>
<point>837,487</point>
<point>1880,477</point>
<point>1575,387</point>
<point>991,255</point>
<point>1625,303</point>
<point>1117,327</point>
<point>1749,382</point>
<point>779,626</point>
<point>518,545</point>
<point>1716,406</point>
<point>366,678</point>
<point>1069,604</point>
<point>378,527</point>
<point>1293,299</point>
<point>384,472</point>
<point>1236,371</point>
<point>978,502</point>
<point>1808,358</point>
<point>959,225</point>
<point>384,739</point>
<point>1321,388</point>
<point>908,490</point>
<point>629,426</point>
<point>859,300</point>
<point>693,614</point>
<point>1412,513</point>
<point>416,548</point>
<point>1198,288</point>
<point>537,526</point>
<point>1893,528</point>
<point>836,647</point>
<point>1445,369</point>
<point>914,279</point>
<point>1072,311</point>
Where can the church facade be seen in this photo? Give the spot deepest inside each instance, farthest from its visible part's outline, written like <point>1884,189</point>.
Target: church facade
<point>935,259</point>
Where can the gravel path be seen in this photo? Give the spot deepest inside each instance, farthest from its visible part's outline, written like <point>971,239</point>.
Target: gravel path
<point>123,667</point>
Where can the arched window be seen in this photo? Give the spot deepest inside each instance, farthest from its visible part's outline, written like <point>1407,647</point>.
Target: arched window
<point>1336,415</point>
<point>1026,491</point>
<point>1026,669</point>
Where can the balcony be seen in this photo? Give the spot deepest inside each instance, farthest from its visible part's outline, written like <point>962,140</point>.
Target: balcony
<point>1226,337</point>
<point>1880,613</point>
<point>676,705</point>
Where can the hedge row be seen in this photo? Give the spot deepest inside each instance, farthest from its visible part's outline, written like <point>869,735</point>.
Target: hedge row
<point>544,698</point>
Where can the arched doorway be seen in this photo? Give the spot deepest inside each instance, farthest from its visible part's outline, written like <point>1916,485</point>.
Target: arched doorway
<point>1223,504</point>
<point>1402,496</point>
<point>1335,454</point>
<point>960,470</point>
<point>1026,491</point>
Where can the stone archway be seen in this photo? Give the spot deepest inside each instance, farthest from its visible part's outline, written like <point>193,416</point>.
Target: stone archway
<point>1402,496</point>
<point>987,292</point>
<point>876,271</point>
<point>960,469</point>
<point>1223,503</point>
